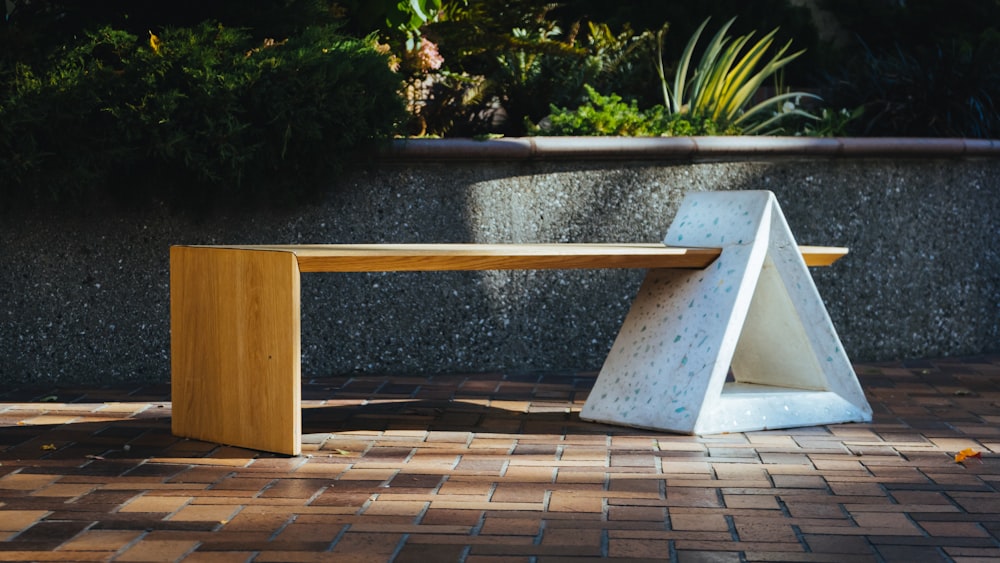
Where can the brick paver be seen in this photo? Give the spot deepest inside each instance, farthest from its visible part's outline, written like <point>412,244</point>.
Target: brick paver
<point>499,467</point>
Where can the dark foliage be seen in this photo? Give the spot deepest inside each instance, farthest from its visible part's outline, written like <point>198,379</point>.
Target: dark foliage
<point>194,115</point>
<point>920,68</point>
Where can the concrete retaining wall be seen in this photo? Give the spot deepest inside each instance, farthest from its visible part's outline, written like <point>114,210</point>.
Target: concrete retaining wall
<point>84,297</point>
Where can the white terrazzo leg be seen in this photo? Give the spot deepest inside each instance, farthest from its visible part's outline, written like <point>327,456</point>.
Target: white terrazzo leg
<point>755,309</point>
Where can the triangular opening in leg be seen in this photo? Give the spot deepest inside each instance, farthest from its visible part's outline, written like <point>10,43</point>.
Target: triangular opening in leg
<point>774,348</point>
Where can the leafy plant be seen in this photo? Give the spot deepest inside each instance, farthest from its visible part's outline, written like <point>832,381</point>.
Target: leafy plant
<point>710,99</point>
<point>831,123</point>
<point>726,79</point>
<point>684,17</point>
<point>405,16</point>
<point>521,60</point>
<point>193,115</point>
<point>611,116</point>
<point>601,116</point>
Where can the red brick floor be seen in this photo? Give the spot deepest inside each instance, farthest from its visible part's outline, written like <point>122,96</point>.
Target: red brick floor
<point>496,468</point>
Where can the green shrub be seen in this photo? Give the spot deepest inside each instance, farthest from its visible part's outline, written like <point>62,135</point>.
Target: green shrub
<point>505,62</point>
<point>601,116</point>
<point>45,24</point>
<point>793,18</point>
<point>193,115</point>
<point>611,116</point>
<point>711,98</point>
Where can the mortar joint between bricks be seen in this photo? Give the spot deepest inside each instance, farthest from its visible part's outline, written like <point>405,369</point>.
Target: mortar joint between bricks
<point>801,537</point>
<point>537,540</point>
<point>336,539</point>
<point>399,546</point>
<point>546,499</point>
<point>282,527</point>
<point>731,523</point>
<point>784,507</point>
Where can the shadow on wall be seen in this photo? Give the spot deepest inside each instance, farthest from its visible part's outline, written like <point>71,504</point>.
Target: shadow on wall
<point>84,298</point>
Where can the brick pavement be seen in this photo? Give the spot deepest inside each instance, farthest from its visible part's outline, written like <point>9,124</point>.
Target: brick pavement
<point>497,468</point>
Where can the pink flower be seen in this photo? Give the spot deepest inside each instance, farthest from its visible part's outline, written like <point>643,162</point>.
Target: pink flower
<point>426,56</point>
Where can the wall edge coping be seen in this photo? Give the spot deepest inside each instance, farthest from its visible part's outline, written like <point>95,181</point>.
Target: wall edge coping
<point>688,149</point>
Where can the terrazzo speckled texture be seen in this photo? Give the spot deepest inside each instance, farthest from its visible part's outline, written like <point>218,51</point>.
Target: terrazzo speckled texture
<point>667,368</point>
<point>84,295</point>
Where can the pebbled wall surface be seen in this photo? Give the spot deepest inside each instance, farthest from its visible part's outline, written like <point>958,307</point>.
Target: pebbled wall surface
<point>84,296</point>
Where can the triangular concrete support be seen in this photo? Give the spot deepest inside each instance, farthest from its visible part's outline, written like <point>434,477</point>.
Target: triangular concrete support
<point>755,310</point>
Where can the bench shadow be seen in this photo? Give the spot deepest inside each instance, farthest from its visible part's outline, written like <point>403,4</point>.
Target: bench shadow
<point>100,421</point>
<point>448,416</point>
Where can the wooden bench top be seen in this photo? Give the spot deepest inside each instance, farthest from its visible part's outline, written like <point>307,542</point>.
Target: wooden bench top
<point>461,256</point>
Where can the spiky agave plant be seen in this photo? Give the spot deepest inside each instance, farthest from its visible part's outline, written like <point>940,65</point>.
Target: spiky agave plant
<point>725,81</point>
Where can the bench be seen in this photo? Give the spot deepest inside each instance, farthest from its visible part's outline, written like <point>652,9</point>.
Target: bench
<point>727,292</point>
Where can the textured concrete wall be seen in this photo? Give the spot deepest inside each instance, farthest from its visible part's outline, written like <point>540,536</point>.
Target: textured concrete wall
<point>84,296</point>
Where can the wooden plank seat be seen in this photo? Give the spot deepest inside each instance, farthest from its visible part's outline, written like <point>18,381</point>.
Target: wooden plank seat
<point>235,319</point>
<point>473,257</point>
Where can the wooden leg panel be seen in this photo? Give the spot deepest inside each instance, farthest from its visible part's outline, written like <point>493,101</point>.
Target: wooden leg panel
<point>235,347</point>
